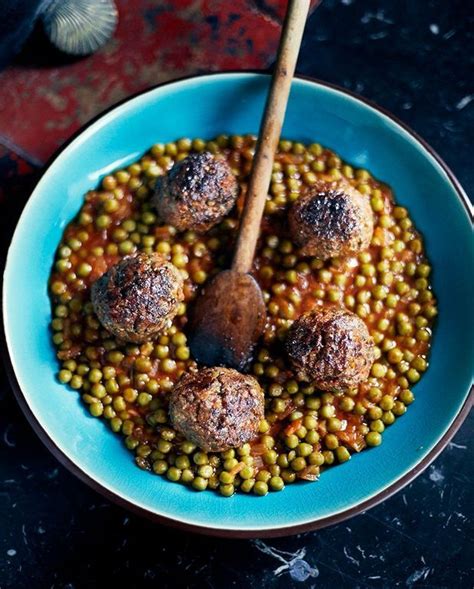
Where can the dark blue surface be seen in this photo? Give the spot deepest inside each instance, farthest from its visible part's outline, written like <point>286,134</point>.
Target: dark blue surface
<point>16,23</point>
<point>55,532</point>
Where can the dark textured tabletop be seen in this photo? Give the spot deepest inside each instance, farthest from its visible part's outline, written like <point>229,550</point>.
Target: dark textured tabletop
<point>413,58</point>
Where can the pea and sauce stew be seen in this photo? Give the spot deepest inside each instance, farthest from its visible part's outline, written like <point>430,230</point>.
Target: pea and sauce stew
<point>305,429</point>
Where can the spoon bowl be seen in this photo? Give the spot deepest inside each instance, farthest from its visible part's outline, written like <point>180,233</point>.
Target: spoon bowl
<point>228,319</point>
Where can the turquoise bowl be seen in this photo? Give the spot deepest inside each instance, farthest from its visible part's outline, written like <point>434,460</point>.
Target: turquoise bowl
<point>204,107</point>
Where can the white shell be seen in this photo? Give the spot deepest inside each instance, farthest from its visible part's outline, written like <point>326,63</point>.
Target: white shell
<point>80,27</point>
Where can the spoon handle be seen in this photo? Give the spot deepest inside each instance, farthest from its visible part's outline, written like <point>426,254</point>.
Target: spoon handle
<point>269,134</point>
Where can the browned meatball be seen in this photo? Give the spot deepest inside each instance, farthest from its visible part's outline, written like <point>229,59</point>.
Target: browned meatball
<point>332,220</point>
<point>138,297</point>
<point>331,347</point>
<point>196,193</point>
<point>217,408</point>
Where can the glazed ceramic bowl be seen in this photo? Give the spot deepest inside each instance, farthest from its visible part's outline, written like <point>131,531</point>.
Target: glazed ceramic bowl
<point>204,107</point>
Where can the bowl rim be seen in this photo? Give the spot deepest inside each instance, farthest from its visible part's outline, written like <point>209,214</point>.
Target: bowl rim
<point>223,532</point>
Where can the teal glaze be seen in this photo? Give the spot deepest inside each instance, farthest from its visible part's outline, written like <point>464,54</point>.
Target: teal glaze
<point>204,107</point>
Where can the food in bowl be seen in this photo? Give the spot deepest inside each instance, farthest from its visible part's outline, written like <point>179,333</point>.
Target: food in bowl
<point>305,429</point>
<point>333,219</point>
<point>331,348</point>
<point>197,193</point>
<point>138,297</point>
<point>217,408</point>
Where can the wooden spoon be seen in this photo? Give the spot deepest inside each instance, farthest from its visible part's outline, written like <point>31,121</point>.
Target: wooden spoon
<point>229,316</point>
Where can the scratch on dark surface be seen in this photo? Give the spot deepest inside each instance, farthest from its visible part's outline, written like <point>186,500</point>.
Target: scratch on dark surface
<point>449,34</point>
<point>23,533</point>
<point>387,525</point>
<point>421,574</point>
<point>7,438</point>
<point>349,557</point>
<point>436,475</point>
<point>462,104</point>
<point>293,563</point>
<point>458,446</point>
<point>377,16</point>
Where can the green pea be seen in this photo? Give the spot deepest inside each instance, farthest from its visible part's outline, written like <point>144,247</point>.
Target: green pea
<point>226,490</point>
<point>116,424</point>
<point>298,464</point>
<point>98,390</point>
<point>395,356</point>
<point>327,411</point>
<point>373,439</point>
<point>188,447</point>
<point>182,462</point>
<point>270,457</point>
<point>292,441</point>
<point>200,458</point>
<point>96,409</point>
<point>199,483</point>
<point>399,408</point>
<point>64,376</point>
<point>378,370</point>
<point>174,474</point>
<point>164,446</point>
<point>342,454</point>
<point>226,478</point>
<point>334,424</point>
<point>126,247</point>
<point>103,221</point>
<point>304,449</point>
<point>247,485</point>
<point>263,475</point>
<point>360,409</point>
<point>413,375</point>
<point>346,404</point>
<point>187,476</point>
<point>260,488</point>
<point>331,441</point>
<point>392,300</point>
<point>387,402</point>
<point>406,396</point>
<point>288,476</point>
<point>328,457</point>
<point>312,437</point>
<point>375,413</point>
<point>380,292</point>
<point>377,426</point>
<point>276,483</point>
<point>76,382</point>
<point>313,403</point>
<point>310,422</point>
<point>144,399</point>
<point>244,450</point>
<point>95,375</point>
<point>160,466</point>
<point>316,459</point>
<point>388,417</point>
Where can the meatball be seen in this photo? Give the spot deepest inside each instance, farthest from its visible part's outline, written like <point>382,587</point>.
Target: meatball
<point>217,408</point>
<point>331,347</point>
<point>196,193</point>
<point>138,296</point>
<point>332,220</point>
